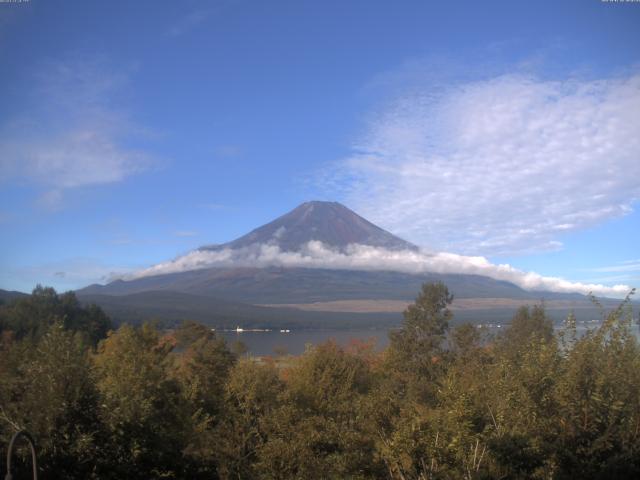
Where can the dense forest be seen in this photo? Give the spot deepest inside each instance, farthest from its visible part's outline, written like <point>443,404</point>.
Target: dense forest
<point>439,403</point>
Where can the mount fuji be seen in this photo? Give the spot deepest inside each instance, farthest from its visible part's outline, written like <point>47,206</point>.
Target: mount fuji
<point>299,269</point>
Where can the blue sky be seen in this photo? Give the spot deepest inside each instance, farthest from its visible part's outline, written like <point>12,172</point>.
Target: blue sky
<point>132,132</point>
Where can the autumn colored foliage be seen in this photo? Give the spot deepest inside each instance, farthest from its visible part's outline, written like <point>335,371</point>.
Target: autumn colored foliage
<point>438,403</point>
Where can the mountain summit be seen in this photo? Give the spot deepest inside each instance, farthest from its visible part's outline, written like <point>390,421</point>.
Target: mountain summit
<point>328,222</point>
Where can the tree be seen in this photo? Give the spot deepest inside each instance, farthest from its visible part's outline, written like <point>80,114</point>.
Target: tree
<point>322,429</point>
<point>47,389</point>
<point>33,315</point>
<point>201,367</point>
<point>528,325</point>
<point>416,352</point>
<point>597,434</point>
<point>523,407</point>
<point>252,396</point>
<point>141,405</point>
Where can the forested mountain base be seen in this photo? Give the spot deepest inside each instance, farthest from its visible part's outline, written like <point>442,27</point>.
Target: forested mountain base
<point>141,403</point>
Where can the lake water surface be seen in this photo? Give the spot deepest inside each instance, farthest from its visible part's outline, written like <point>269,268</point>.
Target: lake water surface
<point>294,342</point>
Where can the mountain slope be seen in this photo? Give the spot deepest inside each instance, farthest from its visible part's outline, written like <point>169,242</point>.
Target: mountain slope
<point>328,222</point>
<point>7,296</point>
<point>174,307</point>
<point>302,285</point>
<point>197,292</point>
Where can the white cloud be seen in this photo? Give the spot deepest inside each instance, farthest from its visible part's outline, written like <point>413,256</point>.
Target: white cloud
<point>498,166</point>
<point>86,155</point>
<point>362,257</point>
<point>73,135</point>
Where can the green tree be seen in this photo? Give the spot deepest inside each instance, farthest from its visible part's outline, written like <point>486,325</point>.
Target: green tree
<point>416,352</point>
<point>33,315</point>
<point>598,429</point>
<point>47,389</point>
<point>141,405</point>
<point>528,324</point>
<point>252,395</point>
<point>322,429</point>
<point>409,379</point>
<point>523,407</point>
<point>201,367</point>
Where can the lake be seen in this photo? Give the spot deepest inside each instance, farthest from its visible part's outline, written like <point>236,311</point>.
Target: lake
<point>294,342</point>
